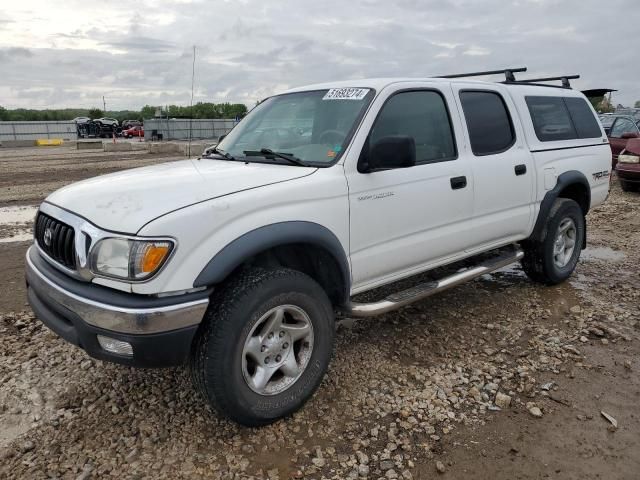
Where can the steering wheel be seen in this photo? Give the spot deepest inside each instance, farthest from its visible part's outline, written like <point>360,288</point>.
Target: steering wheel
<point>328,133</point>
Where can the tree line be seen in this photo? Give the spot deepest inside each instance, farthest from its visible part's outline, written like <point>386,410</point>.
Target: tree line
<point>199,110</point>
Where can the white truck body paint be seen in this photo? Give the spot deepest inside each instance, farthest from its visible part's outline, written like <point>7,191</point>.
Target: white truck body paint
<point>391,224</point>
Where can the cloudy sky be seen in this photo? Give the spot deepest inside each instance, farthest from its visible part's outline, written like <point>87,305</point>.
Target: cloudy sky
<point>71,53</point>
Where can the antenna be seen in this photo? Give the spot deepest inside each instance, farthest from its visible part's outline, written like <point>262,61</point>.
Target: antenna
<point>193,74</point>
<point>507,72</point>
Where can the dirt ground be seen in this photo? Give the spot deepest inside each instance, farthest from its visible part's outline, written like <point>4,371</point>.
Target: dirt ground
<point>412,394</point>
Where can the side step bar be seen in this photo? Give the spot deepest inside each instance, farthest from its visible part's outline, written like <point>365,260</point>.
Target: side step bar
<point>424,290</point>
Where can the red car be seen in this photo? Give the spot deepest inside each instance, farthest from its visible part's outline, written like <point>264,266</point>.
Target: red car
<point>621,131</point>
<point>136,131</point>
<point>628,167</point>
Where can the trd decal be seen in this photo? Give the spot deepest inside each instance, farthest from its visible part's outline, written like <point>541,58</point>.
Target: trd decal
<point>600,175</point>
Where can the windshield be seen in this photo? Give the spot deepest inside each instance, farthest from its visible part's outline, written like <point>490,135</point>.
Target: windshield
<point>313,126</point>
<point>607,120</point>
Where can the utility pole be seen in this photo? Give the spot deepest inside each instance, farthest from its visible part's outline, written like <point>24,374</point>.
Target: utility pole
<point>193,74</point>
<point>104,105</point>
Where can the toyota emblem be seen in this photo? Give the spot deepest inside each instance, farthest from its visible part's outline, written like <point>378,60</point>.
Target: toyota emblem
<point>48,234</point>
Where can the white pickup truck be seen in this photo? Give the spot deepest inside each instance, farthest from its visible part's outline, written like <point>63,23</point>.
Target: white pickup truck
<point>237,262</point>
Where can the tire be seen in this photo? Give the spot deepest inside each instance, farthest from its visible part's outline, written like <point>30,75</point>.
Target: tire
<point>223,363</point>
<point>627,186</point>
<point>540,262</point>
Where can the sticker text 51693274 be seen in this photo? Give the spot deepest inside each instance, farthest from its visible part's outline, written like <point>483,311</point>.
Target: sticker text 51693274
<point>346,94</point>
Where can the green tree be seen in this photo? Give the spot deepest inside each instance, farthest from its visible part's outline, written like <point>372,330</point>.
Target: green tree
<point>147,112</point>
<point>637,104</point>
<point>95,113</point>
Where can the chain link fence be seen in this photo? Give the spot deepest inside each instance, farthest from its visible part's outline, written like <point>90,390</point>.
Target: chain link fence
<point>37,130</point>
<point>178,129</point>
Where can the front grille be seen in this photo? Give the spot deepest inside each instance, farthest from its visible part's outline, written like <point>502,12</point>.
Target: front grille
<point>59,243</point>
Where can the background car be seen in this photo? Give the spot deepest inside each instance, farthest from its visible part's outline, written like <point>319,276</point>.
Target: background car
<point>137,131</point>
<point>623,128</point>
<point>606,119</point>
<point>81,119</point>
<point>127,124</point>
<point>107,121</point>
<point>628,167</point>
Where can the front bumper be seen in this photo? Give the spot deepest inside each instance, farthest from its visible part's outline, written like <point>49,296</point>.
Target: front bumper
<point>159,329</point>
<point>629,172</point>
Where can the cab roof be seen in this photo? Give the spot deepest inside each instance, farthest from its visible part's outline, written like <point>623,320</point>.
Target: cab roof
<point>380,83</point>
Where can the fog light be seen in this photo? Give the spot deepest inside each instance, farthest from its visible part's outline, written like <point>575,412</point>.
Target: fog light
<point>115,346</point>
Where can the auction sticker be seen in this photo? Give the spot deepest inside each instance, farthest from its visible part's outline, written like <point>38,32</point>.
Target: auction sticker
<point>346,94</point>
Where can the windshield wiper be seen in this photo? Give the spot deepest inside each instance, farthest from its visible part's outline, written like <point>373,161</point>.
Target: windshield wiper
<point>222,153</point>
<point>267,152</point>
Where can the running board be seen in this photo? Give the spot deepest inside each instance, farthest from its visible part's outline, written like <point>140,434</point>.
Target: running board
<point>424,290</point>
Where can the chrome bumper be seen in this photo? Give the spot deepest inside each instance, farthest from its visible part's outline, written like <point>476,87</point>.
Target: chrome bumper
<point>156,319</point>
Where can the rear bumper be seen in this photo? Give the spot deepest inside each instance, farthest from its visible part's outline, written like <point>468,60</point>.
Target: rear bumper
<point>159,330</point>
<point>629,172</point>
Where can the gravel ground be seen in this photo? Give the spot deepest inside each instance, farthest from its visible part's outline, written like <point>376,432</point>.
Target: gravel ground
<point>499,378</point>
<point>30,174</point>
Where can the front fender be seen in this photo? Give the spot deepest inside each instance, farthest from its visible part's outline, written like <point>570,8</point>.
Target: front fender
<point>269,236</point>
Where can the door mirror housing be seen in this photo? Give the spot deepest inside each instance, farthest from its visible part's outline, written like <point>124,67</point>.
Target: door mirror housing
<point>221,137</point>
<point>396,151</point>
<point>629,135</point>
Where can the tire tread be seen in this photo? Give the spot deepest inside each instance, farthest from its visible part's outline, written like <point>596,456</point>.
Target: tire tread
<point>210,338</point>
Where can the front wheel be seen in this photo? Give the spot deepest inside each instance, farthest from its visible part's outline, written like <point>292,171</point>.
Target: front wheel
<point>627,186</point>
<point>264,346</point>
<point>552,259</point>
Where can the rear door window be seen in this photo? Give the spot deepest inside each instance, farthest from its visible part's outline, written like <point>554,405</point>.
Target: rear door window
<point>488,122</point>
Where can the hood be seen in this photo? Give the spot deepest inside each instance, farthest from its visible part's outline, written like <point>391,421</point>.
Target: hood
<point>127,200</point>
<point>633,146</point>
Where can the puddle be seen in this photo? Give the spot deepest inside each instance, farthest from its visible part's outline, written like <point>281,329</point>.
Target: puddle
<point>16,223</point>
<point>602,253</point>
<point>21,237</point>
<point>17,214</point>
<point>505,276</point>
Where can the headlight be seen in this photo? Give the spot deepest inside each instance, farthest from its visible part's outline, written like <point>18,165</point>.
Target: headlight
<point>129,259</point>
<point>626,158</point>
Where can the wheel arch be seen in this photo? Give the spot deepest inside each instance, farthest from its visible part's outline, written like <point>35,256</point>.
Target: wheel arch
<point>573,185</point>
<point>304,246</point>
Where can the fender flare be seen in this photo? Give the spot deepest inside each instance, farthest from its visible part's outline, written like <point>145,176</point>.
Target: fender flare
<point>564,180</point>
<point>269,236</point>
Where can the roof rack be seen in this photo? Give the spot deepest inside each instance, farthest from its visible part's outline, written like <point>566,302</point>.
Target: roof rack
<point>564,78</point>
<point>507,72</point>
<point>511,79</point>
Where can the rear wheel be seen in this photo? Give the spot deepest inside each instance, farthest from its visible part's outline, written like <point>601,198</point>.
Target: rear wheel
<point>553,258</point>
<point>264,346</point>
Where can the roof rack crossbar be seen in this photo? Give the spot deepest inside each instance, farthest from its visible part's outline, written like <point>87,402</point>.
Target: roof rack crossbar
<point>564,78</point>
<point>507,72</point>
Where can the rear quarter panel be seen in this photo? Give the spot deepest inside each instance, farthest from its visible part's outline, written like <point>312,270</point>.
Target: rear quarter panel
<point>589,156</point>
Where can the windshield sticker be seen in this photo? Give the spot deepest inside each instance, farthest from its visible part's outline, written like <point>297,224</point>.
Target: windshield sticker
<point>346,94</point>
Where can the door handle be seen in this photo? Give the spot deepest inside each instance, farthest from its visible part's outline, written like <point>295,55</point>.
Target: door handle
<point>520,169</point>
<point>458,182</point>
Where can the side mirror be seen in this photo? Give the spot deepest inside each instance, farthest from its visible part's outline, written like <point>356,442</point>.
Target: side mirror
<point>397,151</point>
<point>221,137</point>
<point>629,135</point>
